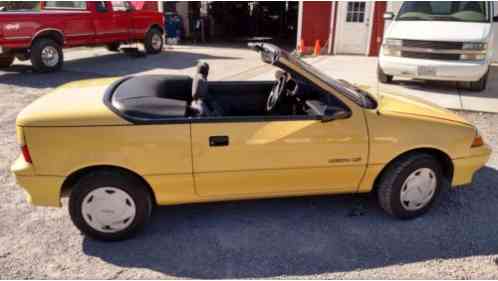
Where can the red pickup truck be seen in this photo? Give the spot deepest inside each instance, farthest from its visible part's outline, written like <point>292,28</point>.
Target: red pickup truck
<point>40,34</point>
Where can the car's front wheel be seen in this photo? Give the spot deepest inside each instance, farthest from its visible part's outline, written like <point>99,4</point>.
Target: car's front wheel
<point>383,77</point>
<point>46,55</point>
<point>410,185</point>
<point>479,85</point>
<point>153,41</point>
<point>110,205</point>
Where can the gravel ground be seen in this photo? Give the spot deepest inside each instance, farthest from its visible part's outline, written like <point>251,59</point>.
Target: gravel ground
<point>317,237</point>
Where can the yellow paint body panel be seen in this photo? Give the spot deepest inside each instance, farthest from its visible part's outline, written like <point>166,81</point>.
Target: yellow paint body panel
<point>71,129</point>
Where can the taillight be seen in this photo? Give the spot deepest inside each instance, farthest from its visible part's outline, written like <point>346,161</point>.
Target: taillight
<point>25,154</point>
<point>478,141</point>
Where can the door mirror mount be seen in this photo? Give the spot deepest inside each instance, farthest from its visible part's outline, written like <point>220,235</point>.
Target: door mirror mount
<point>335,113</point>
<point>388,16</point>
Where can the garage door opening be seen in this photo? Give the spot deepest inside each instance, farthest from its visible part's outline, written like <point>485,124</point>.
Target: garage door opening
<point>241,22</point>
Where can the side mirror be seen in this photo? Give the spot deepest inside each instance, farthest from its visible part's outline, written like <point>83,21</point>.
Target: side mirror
<point>335,113</point>
<point>388,16</point>
<point>495,19</point>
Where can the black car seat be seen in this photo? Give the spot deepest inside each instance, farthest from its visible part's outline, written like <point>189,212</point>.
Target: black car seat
<point>203,103</point>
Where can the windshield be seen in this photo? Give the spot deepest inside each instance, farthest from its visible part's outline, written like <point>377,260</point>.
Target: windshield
<point>464,11</point>
<point>356,94</point>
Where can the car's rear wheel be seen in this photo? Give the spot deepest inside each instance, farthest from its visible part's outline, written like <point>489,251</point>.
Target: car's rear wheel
<point>110,205</point>
<point>46,55</point>
<point>6,61</point>
<point>479,85</point>
<point>113,47</point>
<point>382,77</point>
<point>409,186</point>
<point>154,41</point>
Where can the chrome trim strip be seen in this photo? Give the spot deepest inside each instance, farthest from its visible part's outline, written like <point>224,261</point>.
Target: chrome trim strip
<point>436,51</point>
<point>17,37</point>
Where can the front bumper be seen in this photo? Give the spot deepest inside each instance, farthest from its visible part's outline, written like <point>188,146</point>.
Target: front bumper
<point>465,168</point>
<point>444,70</point>
<point>40,190</point>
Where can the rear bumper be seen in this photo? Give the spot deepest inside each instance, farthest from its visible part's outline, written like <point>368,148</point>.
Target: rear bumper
<point>465,168</point>
<point>40,190</point>
<point>445,70</point>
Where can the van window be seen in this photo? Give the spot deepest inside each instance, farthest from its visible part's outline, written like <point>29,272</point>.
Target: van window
<point>77,5</point>
<point>466,11</point>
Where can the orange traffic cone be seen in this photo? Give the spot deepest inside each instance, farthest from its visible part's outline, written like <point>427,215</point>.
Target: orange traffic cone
<point>316,51</point>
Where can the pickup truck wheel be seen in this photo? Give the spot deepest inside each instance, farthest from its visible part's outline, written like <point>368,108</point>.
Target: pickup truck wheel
<point>113,47</point>
<point>46,55</point>
<point>382,77</point>
<point>110,205</point>
<point>154,41</point>
<point>6,61</point>
<point>409,186</point>
<point>480,85</point>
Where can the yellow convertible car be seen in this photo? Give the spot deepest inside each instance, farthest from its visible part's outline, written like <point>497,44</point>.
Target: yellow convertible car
<point>118,147</point>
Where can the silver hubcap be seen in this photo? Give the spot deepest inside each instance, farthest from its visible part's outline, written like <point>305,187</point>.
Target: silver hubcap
<point>50,56</point>
<point>108,209</point>
<point>156,41</point>
<point>418,189</point>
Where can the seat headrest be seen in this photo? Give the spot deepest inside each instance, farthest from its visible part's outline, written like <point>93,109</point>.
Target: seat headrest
<point>203,69</point>
<point>199,87</point>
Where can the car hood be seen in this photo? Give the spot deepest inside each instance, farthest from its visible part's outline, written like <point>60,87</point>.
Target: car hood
<point>75,104</point>
<point>439,31</point>
<point>390,103</point>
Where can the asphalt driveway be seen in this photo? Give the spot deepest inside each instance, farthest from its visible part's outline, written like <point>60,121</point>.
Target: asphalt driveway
<point>316,237</point>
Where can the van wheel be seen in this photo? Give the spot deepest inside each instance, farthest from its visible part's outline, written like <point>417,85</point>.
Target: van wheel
<point>480,85</point>
<point>409,186</point>
<point>382,77</point>
<point>46,55</point>
<point>113,47</point>
<point>153,41</point>
<point>6,61</point>
<point>110,205</point>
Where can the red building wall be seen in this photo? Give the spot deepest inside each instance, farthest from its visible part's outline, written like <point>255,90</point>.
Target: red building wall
<point>378,28</point>
<point>315,24</point>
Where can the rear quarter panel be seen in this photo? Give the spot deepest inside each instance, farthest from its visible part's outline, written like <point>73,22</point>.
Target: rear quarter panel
<point>143,20</point>
<point>159,153</point>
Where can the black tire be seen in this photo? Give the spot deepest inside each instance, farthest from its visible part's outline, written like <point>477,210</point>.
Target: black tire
<point>382,77</point>
<point>480,85</point>
<point>130,184</point>
<point>6,61</point>
<point>151,35</point>
<point>392,181</point>
<point>113,47</point>
<point>36,55</point>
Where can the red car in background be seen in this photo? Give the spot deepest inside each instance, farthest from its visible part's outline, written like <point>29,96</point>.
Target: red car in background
<point>41,33</point>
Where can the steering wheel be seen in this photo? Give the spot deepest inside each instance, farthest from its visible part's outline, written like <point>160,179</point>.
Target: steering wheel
<point>276,93</point>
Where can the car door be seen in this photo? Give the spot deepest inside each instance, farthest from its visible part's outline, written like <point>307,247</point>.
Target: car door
<point>251,157</point>
<point>110,25</point>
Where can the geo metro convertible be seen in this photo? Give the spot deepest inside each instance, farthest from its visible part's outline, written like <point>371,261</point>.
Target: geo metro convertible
<point>118,147</point>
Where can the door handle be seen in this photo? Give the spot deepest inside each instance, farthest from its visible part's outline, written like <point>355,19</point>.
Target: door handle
<point>218,141</point>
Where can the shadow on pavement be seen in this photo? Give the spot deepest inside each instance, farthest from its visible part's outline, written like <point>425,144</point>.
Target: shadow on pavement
<point>304,236</point>
<point>102,66</point>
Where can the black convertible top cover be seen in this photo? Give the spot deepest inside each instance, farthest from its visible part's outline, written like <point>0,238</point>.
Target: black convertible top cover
<point>152,97</point>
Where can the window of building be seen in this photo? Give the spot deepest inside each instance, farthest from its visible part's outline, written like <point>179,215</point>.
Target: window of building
<point>355,12</point>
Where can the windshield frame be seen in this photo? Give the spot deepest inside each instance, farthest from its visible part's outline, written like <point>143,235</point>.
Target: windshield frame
<point>487,7</point>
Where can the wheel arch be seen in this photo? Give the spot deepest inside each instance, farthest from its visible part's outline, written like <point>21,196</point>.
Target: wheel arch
<point>442,157</point>
<point>156,26</point>
<point>73,177</point>
<point>50,33</point>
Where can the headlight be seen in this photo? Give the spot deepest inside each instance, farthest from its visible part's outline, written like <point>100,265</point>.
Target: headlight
<point>475,46</point>
<point>392,47</point>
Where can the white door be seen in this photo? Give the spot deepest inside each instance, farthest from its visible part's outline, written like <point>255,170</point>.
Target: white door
<point>353,27</point>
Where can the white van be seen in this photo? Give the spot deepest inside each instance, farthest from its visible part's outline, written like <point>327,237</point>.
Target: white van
<point>439,40</point>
